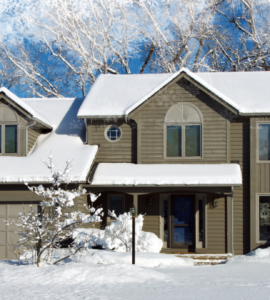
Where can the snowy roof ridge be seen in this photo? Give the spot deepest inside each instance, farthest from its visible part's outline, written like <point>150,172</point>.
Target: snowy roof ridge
<point>129,174</point>
<point>21,103</point>
<point>119,95</point>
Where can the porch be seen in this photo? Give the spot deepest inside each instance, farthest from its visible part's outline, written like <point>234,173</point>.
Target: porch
<point>189,218</point>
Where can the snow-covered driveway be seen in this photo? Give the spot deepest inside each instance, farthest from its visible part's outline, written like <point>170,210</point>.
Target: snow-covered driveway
<point>85,280</point>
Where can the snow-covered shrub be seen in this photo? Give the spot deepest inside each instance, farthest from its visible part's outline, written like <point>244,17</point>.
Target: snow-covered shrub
<point>43,231</point>
<point>118,235</point>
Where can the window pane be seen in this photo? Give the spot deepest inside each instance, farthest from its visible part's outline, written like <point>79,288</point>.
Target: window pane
<point>264,218</point>
<point>193,140</point>
<point>116,204</point>
<point>0,139</point>
<point>10,138</point>
<point>174,141</point>
<point>114,133</point>
<point>201,221</point>
<point>264,141</point>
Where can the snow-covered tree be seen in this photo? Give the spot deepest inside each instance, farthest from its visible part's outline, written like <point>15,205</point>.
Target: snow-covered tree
<point>43,231</point>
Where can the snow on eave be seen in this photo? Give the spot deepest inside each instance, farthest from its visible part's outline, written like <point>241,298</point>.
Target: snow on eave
<point>194,77</point>
<point>25,107</point>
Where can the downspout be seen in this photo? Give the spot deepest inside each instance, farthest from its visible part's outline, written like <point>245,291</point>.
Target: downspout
<point>232,221</point>
<point>26,144</point>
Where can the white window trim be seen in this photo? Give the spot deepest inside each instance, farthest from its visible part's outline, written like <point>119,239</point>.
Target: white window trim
<point>183,124</point>
<point>106,136</point>
<point>257,218</point>
<point>258,123</point>
<point>199,244</point>
<point>2,125</point>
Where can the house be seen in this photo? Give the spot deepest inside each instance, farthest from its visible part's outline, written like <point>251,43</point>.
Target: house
<point>191,151</point>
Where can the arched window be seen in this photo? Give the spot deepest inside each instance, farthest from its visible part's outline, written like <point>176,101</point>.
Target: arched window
<point>183,131</point>
<point>8,131</point>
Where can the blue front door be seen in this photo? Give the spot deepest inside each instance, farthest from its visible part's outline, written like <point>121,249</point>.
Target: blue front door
<point>182,221</point>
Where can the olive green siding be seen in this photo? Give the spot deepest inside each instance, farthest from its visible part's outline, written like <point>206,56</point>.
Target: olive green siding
<point>240,141</point>
<point>150,120</point>
<point>216,226</point>
<point>151,213</point>
<point>21,121</point>
<point>259,178</point>
<point>32,138</point>
<point>122,151</point>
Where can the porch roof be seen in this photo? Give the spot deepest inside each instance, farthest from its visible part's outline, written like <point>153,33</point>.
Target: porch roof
<point>127,174</point>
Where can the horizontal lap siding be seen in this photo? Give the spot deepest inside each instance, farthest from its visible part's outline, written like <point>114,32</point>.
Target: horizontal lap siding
<point>151,123</point>
<point>32,138</point>
<point>216,226</point>
<point>121,151</point>
<point>259,177</point>
<point>240,140</point>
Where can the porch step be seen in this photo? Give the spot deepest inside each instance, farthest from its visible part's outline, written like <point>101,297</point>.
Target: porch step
<point>206,259</point>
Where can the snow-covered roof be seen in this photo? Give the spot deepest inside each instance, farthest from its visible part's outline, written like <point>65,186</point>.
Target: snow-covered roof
<point>119,95</point>
<point>126,174</point>
<point>64,142</point>
<point>38,116</point>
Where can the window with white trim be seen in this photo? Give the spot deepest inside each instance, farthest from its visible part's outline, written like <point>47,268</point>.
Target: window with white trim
<point>264,142</point>
<point>8,131</point>
<point>183,131</point>
<point>264,218</point>
<point>113,133</point>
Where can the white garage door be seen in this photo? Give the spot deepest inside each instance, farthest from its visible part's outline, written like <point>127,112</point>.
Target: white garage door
<point>9,212</point>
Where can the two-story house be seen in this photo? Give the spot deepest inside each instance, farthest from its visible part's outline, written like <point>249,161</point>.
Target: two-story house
<point>190,150</point>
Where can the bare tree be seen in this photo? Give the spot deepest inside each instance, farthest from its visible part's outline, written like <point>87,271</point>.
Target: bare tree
<point>82,39</point>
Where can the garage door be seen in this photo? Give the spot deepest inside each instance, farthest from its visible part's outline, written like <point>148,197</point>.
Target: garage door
<point>9,212</point>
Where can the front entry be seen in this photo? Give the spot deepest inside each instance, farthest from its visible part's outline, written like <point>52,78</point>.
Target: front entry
<point>182,222</point>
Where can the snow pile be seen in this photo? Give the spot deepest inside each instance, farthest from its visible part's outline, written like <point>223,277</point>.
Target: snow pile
<point>141,259</point>
<point>114,237</point>
<point>258,255</point>
<point>157,174</point>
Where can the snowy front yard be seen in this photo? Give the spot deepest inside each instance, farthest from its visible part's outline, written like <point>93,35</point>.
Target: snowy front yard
<point>104,275</point>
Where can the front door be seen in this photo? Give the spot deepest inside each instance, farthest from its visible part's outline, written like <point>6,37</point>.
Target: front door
<point>183,220</point>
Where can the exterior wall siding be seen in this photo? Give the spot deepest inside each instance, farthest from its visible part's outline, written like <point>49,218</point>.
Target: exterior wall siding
<point>32,138</point>
<point>214,127</point>
<point>240,140</point>
<point>122,151</point>
<point>259,178</point>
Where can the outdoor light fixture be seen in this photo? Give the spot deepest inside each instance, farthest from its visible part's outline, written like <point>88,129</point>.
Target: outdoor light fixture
<point>214,203</point>
<point>150,202</point>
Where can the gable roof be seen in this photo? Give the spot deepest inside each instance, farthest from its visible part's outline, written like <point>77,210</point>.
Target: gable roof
<point>119,95</point>
<point>38,116</point>
<point>64,142</point>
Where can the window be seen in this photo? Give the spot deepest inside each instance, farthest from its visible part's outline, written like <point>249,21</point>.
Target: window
<point>113,133</point>
<point>183,131</point>
<point>264,218</point>
<point>8,139</point>
<point>116,204</point>
<point>264,141</point>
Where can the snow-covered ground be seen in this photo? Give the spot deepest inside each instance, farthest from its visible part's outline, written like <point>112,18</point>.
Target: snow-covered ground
<point>246,277</point>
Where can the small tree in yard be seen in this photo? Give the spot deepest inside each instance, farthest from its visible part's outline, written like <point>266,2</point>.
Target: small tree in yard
<point>44,231</point>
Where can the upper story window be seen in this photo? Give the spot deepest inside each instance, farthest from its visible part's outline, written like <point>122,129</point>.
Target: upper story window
<point>113,133</point>
<point>183,131</point>
<point>8,131</point>
<point>264,141</point>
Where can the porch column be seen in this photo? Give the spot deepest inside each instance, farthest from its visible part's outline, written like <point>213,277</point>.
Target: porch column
<point>229,220</point>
